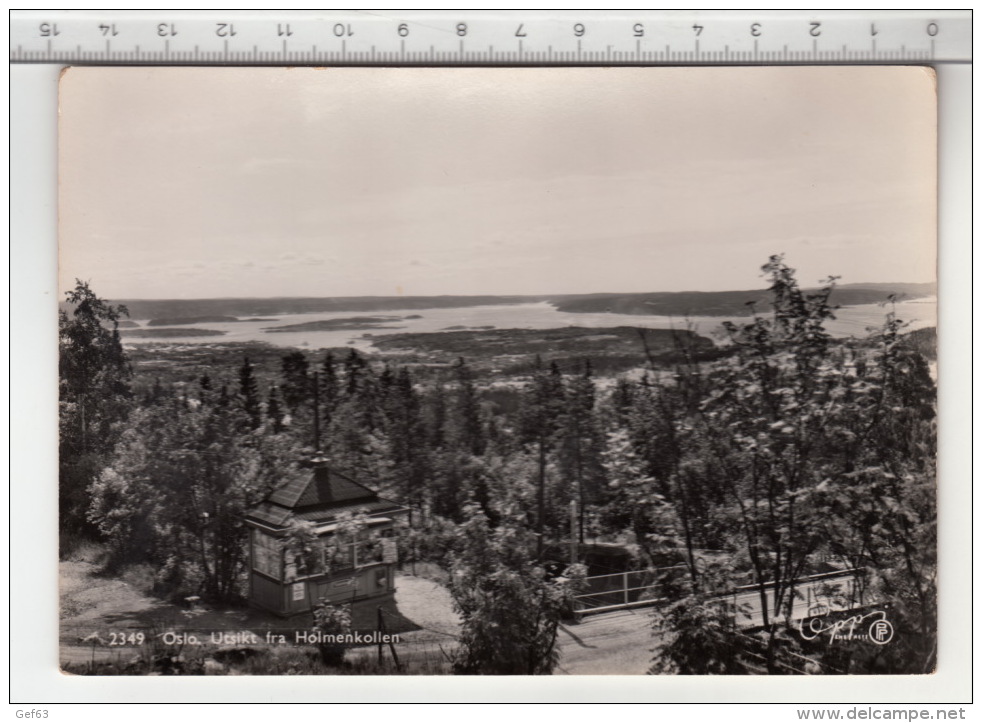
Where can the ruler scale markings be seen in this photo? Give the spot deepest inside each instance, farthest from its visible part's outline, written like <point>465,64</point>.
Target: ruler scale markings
<point>905,41</point>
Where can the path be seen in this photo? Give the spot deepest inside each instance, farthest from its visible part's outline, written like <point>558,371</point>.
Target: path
<point>615,643</point>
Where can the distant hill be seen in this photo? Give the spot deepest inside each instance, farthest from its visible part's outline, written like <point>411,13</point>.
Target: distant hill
<point>350,323</point>
<point>186,320</point>
<point>668,303</point>
<point>171,309</point>
<point>167,333</point>
<point>727,303</point>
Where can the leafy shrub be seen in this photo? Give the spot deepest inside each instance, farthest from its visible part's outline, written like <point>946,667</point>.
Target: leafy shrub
<point>332,620</point>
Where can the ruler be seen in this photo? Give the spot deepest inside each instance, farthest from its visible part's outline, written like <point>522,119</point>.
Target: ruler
<point>451,38</point>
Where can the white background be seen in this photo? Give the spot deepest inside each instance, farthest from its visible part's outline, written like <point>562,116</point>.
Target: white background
<point>35,678</point>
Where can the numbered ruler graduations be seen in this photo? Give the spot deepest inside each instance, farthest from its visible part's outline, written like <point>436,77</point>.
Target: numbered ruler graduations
<point>489,38</point>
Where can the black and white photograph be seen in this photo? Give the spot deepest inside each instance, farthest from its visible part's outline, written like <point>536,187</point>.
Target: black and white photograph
<point>497,371</point>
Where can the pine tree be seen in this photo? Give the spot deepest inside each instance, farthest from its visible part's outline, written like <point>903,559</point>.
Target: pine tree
<point>249,394</point>
<point>274,410</point>
<point>406,432</point>
<point>464,424</point>
<point>295,386</point>
<point>330,389</point>
<point>157,392</point>
<point>355,372</point>
<point>540,419</point>
<point>581,446</point>
<point>435,414</point>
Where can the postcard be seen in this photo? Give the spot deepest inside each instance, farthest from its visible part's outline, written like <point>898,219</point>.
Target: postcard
<point>498,371</point>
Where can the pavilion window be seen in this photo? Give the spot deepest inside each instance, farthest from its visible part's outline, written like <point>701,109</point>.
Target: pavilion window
<point>340,556</point>
<point>266,555</point>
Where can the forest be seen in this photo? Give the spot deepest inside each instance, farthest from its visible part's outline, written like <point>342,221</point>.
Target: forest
<point>778,453</point>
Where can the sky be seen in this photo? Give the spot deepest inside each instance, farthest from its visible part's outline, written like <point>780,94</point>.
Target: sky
<point>261,182</point>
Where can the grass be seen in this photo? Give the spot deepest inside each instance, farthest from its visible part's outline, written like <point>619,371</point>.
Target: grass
<point>173,660</point>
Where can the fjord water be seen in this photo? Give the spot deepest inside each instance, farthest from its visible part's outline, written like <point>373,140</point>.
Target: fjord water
<point>849,321</point>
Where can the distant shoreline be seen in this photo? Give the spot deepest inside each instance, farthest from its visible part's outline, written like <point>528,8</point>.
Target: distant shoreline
<point>679,304</point>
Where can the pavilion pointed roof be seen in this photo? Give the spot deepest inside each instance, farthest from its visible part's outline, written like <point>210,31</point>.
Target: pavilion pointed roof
<point>320,496</point>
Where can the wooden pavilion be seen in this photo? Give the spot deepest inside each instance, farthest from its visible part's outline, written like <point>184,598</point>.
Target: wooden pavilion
<point>352,571</point>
